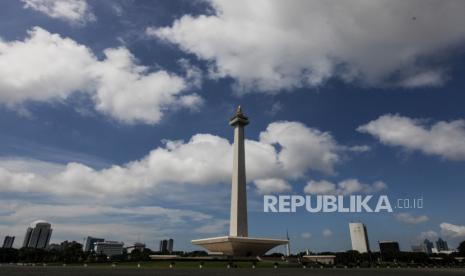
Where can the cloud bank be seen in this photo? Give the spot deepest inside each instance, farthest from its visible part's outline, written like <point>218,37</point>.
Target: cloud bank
<point>78,196</point>
<point>444,139</point>
<point>284,151</point>
<point>411,219</point>
<point>281,45</point>
<point>73,11</point>
<point>345,187</point>
<point>452,230</point>
<point>46,67</point>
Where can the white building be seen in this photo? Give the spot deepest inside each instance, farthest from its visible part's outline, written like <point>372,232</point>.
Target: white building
<point>359,237</point>
<point>109,248</point>
<point>90,243</point>
<point>321,259</point>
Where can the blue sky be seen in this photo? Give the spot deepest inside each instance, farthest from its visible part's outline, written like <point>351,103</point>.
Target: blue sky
<point>113,116</point>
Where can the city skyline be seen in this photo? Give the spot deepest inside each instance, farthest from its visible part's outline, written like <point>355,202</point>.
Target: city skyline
<point>112,117</point>
<point>358,235</point>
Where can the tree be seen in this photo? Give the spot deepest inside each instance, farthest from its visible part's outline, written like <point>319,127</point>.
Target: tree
<point>8,255</point>
<point>461,248</point>
<point>72,251</point>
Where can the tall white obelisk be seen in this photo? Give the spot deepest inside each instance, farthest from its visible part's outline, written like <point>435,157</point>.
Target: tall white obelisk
<point>238,243</point>
<point>238,218</point>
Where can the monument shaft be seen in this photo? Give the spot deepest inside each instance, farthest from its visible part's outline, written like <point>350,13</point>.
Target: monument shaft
<point>238,219</point>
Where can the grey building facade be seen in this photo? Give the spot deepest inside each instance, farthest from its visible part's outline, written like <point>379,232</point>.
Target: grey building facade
<point>90,243</point>
<point>441,245</point>
<point>38,235</point>
<point>8,242</point>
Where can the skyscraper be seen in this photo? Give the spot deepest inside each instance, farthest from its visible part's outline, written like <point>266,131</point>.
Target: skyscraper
<point>441,245</point>
<point>170,245</point>
<point>38,235</point>
<point>428,246</point>
<point>359,237</point>
<point>163,246</point>
<point>389,250</point>
<point>8,242</point>
<point>90,243</point>
<point>27,237</point>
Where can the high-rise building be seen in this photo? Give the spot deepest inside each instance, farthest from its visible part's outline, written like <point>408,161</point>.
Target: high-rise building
<point>38,235</point>
<point>27,237</point>
<point>359,237</point>
<point>8,242</point>
<point>109,248</point>
<point>388,249</point>
<point>90,243</point>
<point>163,246</point>
<point>170,246</point>
<point>166,246</point>
<point>441,245</point>
<point>427,246</point>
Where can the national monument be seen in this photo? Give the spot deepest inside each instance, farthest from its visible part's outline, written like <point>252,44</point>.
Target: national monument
<point>238,243</point>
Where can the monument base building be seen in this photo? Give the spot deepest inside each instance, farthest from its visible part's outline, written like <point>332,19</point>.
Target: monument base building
<point>238,243</point>
<point>238,246</point>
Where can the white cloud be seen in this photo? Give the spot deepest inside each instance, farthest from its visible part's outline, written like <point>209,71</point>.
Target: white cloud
<point>272,185</point>
<point>302,147</point>
<point>129,93</point>
<point>274,45</point>
<point>362,148</point>
<point>452,230</point>
<point>410,219</point>
<point>327,233</point>
<point>42,67</point>
<point>19,165</point>
<point>320,187</point>
<point>345,187</point>
<point>445,139</point>
<point>306,235</point>
<point>73,11</point>
<point>427,78</point>
<point>203,160</point>
<point>218,227</point>
<point>47,67</point>
<point>26,212</point>
<point>430,235</point>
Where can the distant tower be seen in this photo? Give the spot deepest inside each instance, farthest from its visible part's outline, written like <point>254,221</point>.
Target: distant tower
<point>359,237</point>
<point>38,235</point>
<point>427,246</point>
<point>288,246</point>
<point>170,246</point>
<point>238,219</point>
<point>8,242</point>
<point>27,237</point>
<point>164,246</point>
<point>441,245</point>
